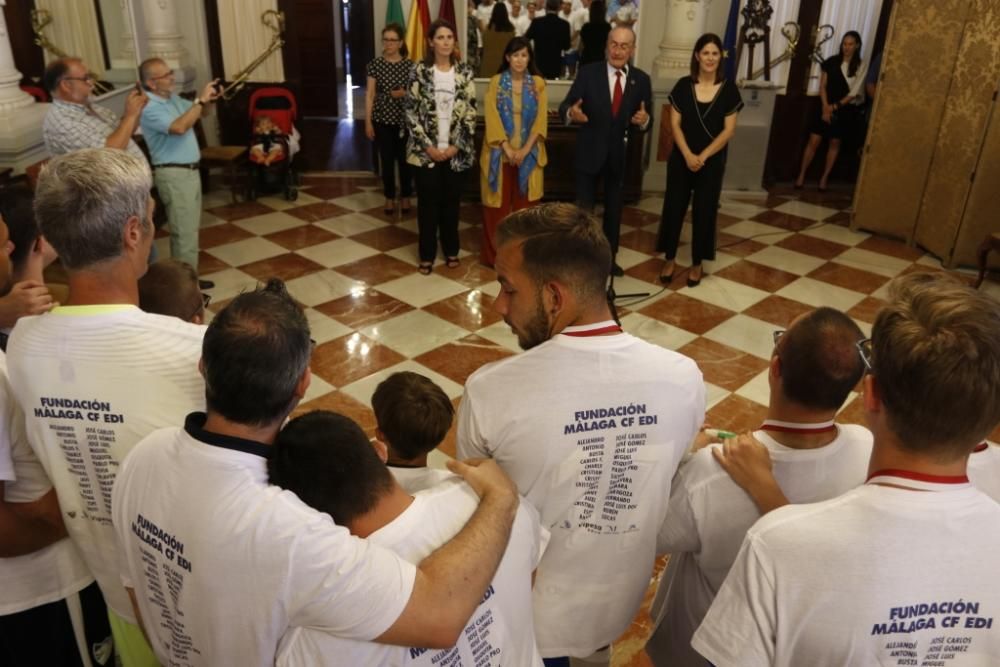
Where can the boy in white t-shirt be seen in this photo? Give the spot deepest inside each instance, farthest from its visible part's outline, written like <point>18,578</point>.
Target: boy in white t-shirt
<point>814,367</point>
<point>900,570</point>
<point>220,564</point>
<point>412,415</point>
<point>327,461</point>
<point>42,576</point>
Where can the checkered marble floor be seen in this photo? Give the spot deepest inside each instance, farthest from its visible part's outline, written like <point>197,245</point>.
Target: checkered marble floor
<point>354,269</point>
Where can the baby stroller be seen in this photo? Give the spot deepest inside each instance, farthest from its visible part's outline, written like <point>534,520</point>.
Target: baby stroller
<point>274,142</point>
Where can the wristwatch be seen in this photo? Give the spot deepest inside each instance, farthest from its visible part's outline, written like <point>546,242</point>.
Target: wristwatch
<point>198,101</point>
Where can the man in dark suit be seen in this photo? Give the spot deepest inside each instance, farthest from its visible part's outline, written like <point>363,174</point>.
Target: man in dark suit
<point>610,101</point>
<point>550,36</point>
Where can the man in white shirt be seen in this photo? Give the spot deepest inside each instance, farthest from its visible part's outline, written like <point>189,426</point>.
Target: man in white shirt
<point>519,18</point>
<point>42,575</point>
<point>97,374</point>
<point>329,463</point>
<point>898,570</point>
<point>589,422</point>
<point>73,122</point>
<point>221,564</point>
<point>814,367</point>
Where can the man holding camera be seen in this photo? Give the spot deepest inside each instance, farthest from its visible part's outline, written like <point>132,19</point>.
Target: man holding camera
<point>168,126</point>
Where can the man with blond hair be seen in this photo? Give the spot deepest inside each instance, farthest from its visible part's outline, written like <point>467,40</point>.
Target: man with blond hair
<point>901,566</point>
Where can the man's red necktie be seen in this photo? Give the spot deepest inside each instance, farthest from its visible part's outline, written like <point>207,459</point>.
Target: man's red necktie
<point>616,102</point>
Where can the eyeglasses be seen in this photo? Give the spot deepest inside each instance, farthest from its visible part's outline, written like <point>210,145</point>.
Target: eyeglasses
<point>865,350</point>
<point>89,78</point>
<point>162,76</point>
<point>205,300</point>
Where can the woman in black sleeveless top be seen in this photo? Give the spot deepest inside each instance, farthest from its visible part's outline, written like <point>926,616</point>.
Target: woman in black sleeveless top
<point>703,119</point>
<point>841,89</point>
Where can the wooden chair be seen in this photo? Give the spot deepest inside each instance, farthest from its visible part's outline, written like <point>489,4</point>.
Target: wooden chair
<point>992,242</point>
<point>230,158</point>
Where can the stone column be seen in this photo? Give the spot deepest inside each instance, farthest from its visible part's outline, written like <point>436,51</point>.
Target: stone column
<point>684,24</point>
<point>12,97</point>
<point>126,51</point>
<point>164,39</point>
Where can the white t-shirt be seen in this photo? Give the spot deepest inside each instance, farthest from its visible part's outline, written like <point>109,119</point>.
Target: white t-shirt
<point>444,99</point>
<point>591,429</point>
<point>709,515</point>
<point>223,563</point>
<point>53,572</point>
<point>499,632</point>
<point>521,23</point>
<point>878,576</point>
<point>418,479</point>
<point>984,470</point>
<point>93,381</point>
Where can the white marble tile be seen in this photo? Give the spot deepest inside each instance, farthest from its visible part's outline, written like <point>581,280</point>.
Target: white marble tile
<point>758,389</point>
<point>837,234</point>
<point>420,290</point>
<point>350,224</point>
<point>360,201</point>
<point>317,387</point>
<point>629,285</point>
<point>414,333</point>
<point>322,286</point>
<point>882,292</point>
<point>490,289</point>
<point>817,293</point>
<point>337,252</point>
<point>740,209</point>
<point>323,329</point>
<point>246,251</point>
<point>721,261</point>
<point>209,220</point>
<point>724,293</point>
<point>269,223</point>
<point>786,260</point>
<point>874,262</point>
<point>758,231</point>
<point>651,205</point>
<point>280,203</point>
<point>627,258</point>
<point>407,253</point>
<point>746,334</point>
<point>930,260</point>
<point>714,394</point>
<point>500,333</point>
<point>806,210</point>
<point>229,283</point>
<point>654,331</point>
<point>362,390</point>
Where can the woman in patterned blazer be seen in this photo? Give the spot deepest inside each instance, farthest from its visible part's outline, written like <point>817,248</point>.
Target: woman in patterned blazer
<point>441,119</point>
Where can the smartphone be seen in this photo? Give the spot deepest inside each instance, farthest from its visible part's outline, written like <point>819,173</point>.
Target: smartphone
<point>138,88</point>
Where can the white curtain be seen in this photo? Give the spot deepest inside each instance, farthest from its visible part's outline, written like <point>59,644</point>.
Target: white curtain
<point>244,38</point>
<point>784,11</point>
<point>859,15</point>
<point>74,30</point>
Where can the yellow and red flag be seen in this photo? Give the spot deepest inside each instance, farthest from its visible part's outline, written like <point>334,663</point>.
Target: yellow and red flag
<point>416,29</point>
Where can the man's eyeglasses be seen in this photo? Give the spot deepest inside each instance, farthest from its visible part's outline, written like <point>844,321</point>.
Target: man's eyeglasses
<point>162,76</point>
<point>89,78</point>
<point>205,300</point>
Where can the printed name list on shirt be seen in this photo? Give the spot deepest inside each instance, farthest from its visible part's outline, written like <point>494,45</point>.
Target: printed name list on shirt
<point>165,568</point>
<point>479,646</point>
<point>960,620</point>
<point>607,465</point>
<point>95,474</point>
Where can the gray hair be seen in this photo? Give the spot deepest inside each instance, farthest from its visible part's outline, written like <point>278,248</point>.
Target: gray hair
<point>83,200</point>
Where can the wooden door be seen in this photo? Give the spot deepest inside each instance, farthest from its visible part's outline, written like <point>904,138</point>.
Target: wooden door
<point>360,37</point>
<point>308,55</point>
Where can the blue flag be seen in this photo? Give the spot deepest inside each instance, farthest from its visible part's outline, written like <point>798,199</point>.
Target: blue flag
<point>729,43</point>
